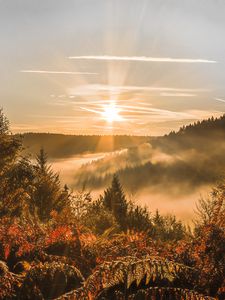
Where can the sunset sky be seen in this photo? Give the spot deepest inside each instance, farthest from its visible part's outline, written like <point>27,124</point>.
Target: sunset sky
<point>139,67</point>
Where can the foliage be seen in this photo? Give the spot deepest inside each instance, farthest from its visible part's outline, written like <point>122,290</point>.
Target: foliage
<point>138,218</point>
<point>9,283</point>
<point>9,145</point>
<point>115,201</point>
<point>18,238</point>
<point>50,280</point>
<point>212,210</point>
<point>206,249</point>
<point>167,227</point>
<point>47,195</point>
<point>128,271</point>
<point>158,293</point>
<point>99,220</point>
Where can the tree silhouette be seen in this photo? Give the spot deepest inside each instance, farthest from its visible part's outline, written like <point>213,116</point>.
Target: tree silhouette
<point>48,195</point>
<point>114,200</point>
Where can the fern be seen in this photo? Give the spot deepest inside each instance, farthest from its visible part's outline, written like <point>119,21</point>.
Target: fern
<point>127,271</point>
<point>50,280</point>
<point>160,293</point>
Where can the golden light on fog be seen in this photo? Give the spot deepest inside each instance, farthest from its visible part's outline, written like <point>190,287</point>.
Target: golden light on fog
<point>111,113</point>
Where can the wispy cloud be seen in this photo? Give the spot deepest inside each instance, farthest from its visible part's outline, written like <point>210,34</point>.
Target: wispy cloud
<point>219,99</point>
<point>91,110</point>
<point>143,58</point>
<point>90,89</point>
<point>177,95</point>
<point>131,112</point>
<point>58,72</point>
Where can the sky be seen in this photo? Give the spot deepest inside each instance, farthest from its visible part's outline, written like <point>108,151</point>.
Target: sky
<point>141,67</point>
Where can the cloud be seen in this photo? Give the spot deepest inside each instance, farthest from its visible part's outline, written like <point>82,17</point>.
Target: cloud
<point>204,114</point>
<point>91,110</point>
<point>177,95</point>
<point>58,72</point>
<point>90,89</point>
<point>129,113</point>
<point>143,58</point>
<point>219,99</point>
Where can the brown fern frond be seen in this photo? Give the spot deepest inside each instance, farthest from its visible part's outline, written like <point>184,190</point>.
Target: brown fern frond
<point>161,293</point>
<point>127,271</point>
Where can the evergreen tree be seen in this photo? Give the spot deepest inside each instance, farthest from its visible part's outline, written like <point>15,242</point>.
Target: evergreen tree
<point>115,201</point>
<point>42,161</point>
<point>167,228</point>
<point>48,195</point>
<point>10,145</point>
<point>138,218</point>
<point>4,123</point>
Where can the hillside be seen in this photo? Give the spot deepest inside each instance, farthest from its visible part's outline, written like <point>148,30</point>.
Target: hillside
<point>191,157</point>
<point>62,146</point>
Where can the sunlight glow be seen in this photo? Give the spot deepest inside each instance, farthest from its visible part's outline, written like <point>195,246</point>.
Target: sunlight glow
<point>111,113</point>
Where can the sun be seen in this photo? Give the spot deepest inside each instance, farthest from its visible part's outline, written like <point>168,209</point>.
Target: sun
<point>111,113</point>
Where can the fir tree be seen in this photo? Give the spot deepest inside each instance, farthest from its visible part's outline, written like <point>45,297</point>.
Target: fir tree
<point>48,195</point>
<point>115,201</point>
<point>4,123</point>
<point>42,161</point>
<point>10,145</point>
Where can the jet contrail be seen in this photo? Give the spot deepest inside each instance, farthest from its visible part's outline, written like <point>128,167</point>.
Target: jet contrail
<point>143,58</point>
<point>221,100</point>
<point>57,72</point>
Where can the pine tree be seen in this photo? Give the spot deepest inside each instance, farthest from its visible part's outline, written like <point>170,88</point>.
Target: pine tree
<point>4,123</point>
<point>48,195</point>
<point>9,145</point>
<point>115,201</point>
<point>42,160</point>
<point>138,218</point>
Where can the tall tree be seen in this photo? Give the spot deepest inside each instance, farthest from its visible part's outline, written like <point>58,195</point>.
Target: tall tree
<point>9,144</point>
<point>10,147</point>
<point>114,200</point>
<point>4,123</point>
<point>48,195</point>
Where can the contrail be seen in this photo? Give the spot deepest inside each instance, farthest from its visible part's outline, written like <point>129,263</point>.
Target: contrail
<point>221,100</point>
<point>143,58</point>
<point>58,72</point>
<point>177,95</point>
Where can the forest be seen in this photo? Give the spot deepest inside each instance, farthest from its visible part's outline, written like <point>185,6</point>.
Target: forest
<point>60,243</point>
<point>177,159</point>
<point>63,146</point>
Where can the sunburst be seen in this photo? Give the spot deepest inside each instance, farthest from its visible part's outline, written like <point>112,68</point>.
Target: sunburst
<point>111,113</point>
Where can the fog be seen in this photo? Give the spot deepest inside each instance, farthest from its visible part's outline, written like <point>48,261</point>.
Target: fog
<point>182,205</point>
<point>168,173</point>
<point>178,201</point>
<point>68,167</point>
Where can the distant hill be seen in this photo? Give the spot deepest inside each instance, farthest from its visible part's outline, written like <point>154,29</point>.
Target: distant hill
<point>200,135</point>
<point>192,156</point>
<point>62,146</point>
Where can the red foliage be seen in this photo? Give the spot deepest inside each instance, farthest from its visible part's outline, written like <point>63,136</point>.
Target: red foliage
<point>17,237</point>
<point>61,233</point>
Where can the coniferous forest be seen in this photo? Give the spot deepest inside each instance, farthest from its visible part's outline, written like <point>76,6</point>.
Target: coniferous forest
<point>59,243</point>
